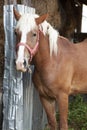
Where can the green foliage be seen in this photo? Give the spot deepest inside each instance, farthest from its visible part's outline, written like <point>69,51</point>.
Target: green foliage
<point>77,116</point>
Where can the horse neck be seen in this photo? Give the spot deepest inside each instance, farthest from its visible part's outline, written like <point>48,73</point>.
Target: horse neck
<point>43,53</point>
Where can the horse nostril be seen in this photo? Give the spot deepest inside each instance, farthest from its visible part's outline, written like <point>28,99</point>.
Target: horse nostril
<point>24,63</point>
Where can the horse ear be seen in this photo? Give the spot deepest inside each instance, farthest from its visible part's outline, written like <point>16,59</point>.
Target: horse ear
<point>16,14</point>
<point>41,19</point>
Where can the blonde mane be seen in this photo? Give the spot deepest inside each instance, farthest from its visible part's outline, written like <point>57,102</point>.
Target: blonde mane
<point>53,37</point>
<point>29,20</point>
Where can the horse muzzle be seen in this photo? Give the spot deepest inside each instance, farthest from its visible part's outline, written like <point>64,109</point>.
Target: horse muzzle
<point>21,66</point>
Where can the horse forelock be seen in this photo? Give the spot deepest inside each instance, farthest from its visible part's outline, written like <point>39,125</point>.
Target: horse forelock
<point>27,23</point>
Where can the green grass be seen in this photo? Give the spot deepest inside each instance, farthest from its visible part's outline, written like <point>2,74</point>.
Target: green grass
<point>77,116</point>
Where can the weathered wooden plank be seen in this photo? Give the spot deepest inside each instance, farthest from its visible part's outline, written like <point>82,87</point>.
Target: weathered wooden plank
<point>12,82</point>
<point>39,116</point>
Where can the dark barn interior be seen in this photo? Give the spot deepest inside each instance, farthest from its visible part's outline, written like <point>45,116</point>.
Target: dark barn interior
<point>64,15</point>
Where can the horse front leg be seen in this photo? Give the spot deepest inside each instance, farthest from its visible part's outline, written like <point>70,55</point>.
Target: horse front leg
<point>63,110</point>
<point>49,107</point>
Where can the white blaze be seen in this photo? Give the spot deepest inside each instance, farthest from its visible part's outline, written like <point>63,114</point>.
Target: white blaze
<point>20,55</point>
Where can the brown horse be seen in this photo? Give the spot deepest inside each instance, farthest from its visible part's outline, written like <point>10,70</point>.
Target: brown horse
<point>60,66</point>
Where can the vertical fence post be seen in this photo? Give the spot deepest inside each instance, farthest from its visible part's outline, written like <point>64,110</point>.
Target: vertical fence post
<point>12,82</point>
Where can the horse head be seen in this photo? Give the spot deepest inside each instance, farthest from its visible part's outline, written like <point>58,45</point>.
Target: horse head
<point>27,34</point>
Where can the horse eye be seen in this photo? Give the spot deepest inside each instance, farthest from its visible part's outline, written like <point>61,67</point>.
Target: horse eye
<point>34,34</point>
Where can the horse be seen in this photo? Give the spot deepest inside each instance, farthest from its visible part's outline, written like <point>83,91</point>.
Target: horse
<point>60,66</point>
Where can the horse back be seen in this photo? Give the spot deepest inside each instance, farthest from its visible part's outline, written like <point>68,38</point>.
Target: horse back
<point>74,64</point>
